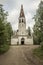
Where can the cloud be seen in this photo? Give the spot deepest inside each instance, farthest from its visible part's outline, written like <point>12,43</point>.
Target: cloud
<point>13,8</point>
<point>13,18</point>
<point>28,16</point>
<point>2,1</point>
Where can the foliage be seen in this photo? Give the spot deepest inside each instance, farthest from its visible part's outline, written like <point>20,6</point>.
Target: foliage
<point>38,31</point>
<point>36,40</point>
<point>4,48</point>
<point>5,30</point>
<point>29,31</point>
<point>2,26</point>
<point>38,27</point>
<point>9,32</point>
<point>41,45</point>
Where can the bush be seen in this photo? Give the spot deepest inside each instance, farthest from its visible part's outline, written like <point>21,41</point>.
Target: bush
<point>36,40</point>
<point>4,48</point>
<point>41,45</point>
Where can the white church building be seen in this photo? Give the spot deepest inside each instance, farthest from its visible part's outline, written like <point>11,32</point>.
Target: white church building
<point>21,35</point>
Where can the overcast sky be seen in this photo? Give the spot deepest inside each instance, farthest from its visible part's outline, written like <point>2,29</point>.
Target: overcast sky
<point>13,8</point>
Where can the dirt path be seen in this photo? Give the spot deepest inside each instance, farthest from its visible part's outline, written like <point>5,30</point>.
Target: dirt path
<point>17,56</point>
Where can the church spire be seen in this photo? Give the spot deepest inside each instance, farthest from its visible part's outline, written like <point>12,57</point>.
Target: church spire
<point>22,12</point>
<point>21,6</point>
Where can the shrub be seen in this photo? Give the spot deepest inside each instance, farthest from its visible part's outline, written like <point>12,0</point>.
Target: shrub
<point>4,48</point>
<point>36,40</point>
<point>41,45</point>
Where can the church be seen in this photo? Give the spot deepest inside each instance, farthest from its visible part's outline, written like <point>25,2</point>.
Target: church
<point>21,35</point>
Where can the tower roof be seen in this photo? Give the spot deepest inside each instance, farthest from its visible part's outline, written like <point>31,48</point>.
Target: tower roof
<point>22,12</point>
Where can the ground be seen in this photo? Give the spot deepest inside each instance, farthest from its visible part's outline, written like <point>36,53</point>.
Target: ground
<point>19,55</point>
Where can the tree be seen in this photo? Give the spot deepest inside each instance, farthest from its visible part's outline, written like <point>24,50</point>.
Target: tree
<point>38,27</point>
<point>9,32</point>
<point>29,31</point>
<point>5,31</point>
<point>2,26</point>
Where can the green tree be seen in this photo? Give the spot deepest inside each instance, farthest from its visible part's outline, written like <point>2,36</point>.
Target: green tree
<point>38,27</point>
<point>5,31</point>
<point>29,31</point>
<point>2,26</point>
<point>9,32</point>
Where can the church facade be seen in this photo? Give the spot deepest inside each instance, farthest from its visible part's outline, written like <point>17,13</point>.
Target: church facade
<point>21,35</point>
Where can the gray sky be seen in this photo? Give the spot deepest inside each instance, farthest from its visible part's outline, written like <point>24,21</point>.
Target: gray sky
<point>13,8</point>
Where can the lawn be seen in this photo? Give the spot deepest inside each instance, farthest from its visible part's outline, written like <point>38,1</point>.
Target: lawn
<point>38,52</point>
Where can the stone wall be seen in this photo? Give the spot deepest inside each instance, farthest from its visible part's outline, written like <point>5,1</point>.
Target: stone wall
<point>15,41</point>
<point>29,41</point>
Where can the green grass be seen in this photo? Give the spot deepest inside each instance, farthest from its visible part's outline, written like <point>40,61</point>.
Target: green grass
<point>4,48</point>
<point>38,52</point>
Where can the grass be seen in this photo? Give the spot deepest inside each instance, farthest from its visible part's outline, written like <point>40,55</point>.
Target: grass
<point>4,48</point>
<point>38,52</point>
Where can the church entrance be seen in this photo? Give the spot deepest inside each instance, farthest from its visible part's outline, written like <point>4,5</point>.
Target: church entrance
<point>22,41</point>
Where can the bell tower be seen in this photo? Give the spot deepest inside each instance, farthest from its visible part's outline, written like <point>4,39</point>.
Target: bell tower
<point>22,22</point>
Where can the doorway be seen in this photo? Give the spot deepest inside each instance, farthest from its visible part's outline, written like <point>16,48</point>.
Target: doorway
<point>22,41</point>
